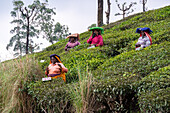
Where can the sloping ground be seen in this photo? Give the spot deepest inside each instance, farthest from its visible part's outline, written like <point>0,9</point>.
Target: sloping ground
<point>118,39</point>
<point>123,80</point>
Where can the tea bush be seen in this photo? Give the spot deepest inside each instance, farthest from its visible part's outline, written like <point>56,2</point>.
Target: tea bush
<point>51,96</point>
<point>117,79</point>
<point>154,90</point>
<point>136,62</point>
<point>116,94</point>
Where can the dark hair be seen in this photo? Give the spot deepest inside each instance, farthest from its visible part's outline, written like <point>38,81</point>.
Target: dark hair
<point>53,55</point>
<point>55,58</point>
<point>99,33</point>
<point>75,38</point>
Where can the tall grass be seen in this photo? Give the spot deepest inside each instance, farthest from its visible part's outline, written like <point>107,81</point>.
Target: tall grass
<point>13,77</point>
<point>80,92</point>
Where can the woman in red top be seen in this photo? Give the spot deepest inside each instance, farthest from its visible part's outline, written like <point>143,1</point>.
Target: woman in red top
<point>96,38</point>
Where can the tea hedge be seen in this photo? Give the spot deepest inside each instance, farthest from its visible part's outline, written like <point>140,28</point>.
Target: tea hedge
<point>117,86</point>
<point>154,91</point>
<point>136,62</point>
<point>51,96</point>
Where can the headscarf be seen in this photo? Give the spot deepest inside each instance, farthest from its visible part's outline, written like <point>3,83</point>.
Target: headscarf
<point>145,29</point>
<point>55,56</point>
<point>76,35</point>
<point>101,30</point>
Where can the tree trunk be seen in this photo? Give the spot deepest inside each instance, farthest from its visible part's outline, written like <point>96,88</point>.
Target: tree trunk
<point>51,41</point>
<point>108,11</point>
<point>100,13</point>
<point>27,41</point>
<point>123,9</point>
<point>143,5</point>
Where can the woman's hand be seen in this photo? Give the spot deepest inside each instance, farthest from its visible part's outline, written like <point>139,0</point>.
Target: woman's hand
<point>137,45</point>
<point>47,71</point>
<point>60,66</point>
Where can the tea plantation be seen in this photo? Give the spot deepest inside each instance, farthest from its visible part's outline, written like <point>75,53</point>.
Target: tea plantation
<point>112,78</point>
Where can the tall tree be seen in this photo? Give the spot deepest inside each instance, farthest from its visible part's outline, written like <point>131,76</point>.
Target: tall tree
<point>61,31</point>
<point>17,38</point>
<point>31,19</point>
<point>33,46</point>
<point>108,11</point>
<point>143,2</point>
<point>100,13</point>
<point>125,8</point>
<point>54,32</point>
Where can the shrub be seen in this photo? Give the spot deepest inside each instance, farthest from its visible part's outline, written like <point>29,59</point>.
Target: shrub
<point>136,62</point>
<point>154,90</point>
<point>51,96</point>
<point>116,94</point>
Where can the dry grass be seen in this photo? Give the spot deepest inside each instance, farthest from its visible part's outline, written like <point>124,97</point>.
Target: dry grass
<point>13,76</point>
<point>80,92</point>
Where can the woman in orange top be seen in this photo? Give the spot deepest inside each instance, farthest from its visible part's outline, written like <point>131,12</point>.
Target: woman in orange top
<point>56,68</point>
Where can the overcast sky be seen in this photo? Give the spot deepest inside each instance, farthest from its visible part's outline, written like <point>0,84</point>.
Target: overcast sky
<point>77,14</point>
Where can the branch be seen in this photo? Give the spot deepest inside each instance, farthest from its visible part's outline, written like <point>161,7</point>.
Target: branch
<point>119,6</point>
<point>118,14</point>
<point>34,16</point>
<point>130,12</point>
<point>32,12</point>
<point>124,3</point>
<point>132,3</point>
<point>26,11</point>
<point>22,12</point>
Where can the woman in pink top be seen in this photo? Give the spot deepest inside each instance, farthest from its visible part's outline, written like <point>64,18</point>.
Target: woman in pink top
<point>96,38</point>
<point>73,41</point>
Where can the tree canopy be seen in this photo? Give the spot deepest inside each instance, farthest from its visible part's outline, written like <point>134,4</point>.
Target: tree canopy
<point>29,21</point>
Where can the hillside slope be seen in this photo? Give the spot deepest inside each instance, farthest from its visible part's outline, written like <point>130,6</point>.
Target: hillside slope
<point>112,78</point>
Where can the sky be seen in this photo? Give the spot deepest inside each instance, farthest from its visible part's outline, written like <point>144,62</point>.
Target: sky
<point>76,14</point>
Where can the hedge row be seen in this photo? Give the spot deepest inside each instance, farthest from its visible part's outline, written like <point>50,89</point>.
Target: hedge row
<point>136,62</point>
<point>51,96</point>
<point>154,91</point>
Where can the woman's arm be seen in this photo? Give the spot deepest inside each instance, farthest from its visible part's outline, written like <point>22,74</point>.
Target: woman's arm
<point>79,43</point>
<point>89,40</point>
<point>63,68</point>
<point>47,71</point>
<point>66,47</point>
<point>138,44</point>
